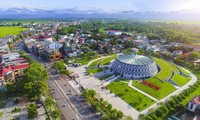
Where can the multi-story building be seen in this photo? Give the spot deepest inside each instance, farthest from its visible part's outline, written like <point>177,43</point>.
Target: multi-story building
<point>12,66</point>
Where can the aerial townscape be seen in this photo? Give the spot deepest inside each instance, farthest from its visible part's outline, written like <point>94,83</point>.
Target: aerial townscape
<point>106,62</point>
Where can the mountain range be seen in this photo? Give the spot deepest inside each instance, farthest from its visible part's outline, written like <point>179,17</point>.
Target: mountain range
<point>13,13</point>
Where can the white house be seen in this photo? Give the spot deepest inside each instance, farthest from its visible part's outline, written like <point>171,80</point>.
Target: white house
<point>55,46</point>
<point>114,32</point>
<point>177,52</point>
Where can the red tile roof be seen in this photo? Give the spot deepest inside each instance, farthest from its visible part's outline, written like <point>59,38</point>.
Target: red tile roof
<point>3,71</point>
<point>189,45</point>
<point>196,100</point>
<point>22,66</point>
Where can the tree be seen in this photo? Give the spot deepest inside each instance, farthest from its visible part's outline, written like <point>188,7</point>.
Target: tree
<point>194,55</point>
<point>36,72</point>
<point>55,114</point>
<point>92,92</point>
<point>50,103</point>
<point>120,114</point>
<point>32,111</point>
<point>109,107</point>
<point>159,113</point>
<point>35,90</point>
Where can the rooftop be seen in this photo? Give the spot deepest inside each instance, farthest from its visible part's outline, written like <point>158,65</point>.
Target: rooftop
<point>196,100</point>
<point>135,59</point>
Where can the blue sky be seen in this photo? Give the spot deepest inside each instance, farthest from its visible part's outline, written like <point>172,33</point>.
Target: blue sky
<point>107,5</point>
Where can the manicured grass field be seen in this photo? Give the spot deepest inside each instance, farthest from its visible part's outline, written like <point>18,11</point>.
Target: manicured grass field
<point>1,114</point>
<point>166,69</point>
<point>122,79</point>
<point>95,63</point>
<point>165,88</point>
<point>180,80</point>
<point>13,30</point>
<point>105,77</point>
<point>94,70</point>
<point>107,60</point>
<point>182,70</point>
<point>131,96</point>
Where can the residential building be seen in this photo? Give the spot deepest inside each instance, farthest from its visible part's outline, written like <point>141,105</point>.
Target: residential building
<point>12,66</point>
<point>177,52</point>
<point>194,47</point>
<point>114,32</point>
<point>194,105</point>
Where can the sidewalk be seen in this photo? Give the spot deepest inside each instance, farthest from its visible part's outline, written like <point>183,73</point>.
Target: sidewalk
<point>91,82</point>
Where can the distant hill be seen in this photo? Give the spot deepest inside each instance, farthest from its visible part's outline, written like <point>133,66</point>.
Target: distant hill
<point>25,13</point>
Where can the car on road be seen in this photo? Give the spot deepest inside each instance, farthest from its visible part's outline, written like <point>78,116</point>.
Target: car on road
<point>64,105</point>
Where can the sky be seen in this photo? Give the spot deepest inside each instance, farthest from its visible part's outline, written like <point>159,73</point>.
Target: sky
<point>107,5</point>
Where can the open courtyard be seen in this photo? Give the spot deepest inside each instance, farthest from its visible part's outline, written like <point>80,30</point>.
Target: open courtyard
<point>130,92</point>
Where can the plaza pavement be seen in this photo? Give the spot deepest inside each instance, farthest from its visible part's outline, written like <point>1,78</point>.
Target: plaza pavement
<point>91,82</point>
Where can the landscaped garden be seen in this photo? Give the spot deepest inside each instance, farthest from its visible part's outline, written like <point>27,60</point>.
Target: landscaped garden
<point>11,30</point>
<point>105,77</point>
<point>165,87</point>
<point>131,96</point>
<point>106,61</point>
<point>101,61</point>
<point>94,70</point>
<point>100,106</point>
<point>95,63</point>
<point>180,80</point>
<point>166,69</point>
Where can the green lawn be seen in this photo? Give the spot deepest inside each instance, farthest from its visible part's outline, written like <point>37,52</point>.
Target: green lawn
<point>16,109</point>
<point>123,79</point>
<point>182,70</point>
<point>105,77</point>
<point>166,69</point>
<point>180,80</point>
<point>95,63</point>
<point>1,114</point>
<point>165,88</point>
<point>131,96</point>
<point>107,60</point>
<point>13,30</point>
<point>94,70</point>
<point>191,96</point>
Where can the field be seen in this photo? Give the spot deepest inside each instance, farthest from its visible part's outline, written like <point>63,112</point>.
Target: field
<point>105,77</point>
<point>180,80</point>
<point>166,69</point>
<point>176,21</point>
<point>131,96</point>
<point>94,70</point>
<point>107,60</point>
<point>165,88</point>
<point>14,30</point>
<point>102,61</point>
<point>95,63</point>
<point>182,70</point>
<point>26,21</point>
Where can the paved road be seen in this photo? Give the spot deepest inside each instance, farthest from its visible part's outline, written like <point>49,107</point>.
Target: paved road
<point>67,111</point>
<point>76,107</point>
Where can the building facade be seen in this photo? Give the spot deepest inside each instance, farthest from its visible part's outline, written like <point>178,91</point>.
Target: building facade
<point>134,66</point>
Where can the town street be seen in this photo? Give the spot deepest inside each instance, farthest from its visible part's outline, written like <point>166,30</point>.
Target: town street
<point>76,107</point>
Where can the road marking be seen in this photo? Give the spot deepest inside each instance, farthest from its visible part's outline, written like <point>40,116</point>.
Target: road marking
<point>64,96</point>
